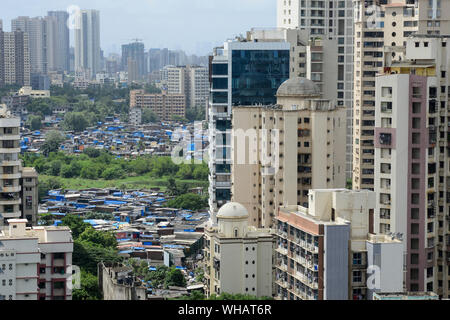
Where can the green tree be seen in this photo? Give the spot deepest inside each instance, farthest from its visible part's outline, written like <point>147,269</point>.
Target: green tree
<point>88,255</point>
<point>113,173</point>
<point>89,288</point>
<point>188,201</point>
<point>175,277</point>
<point>75,121</point>
<point>201,172</point>
<point>76,224</point>
<point>150,88</point>
<point>89,173</point>
<point>55,168</point>
<point>92,152</point>
<point>34,122</point>
<point>185,172</point>
<point>45,186</point>
<point>149,116</point>
<point>52,143</point>
<point>104,239</point>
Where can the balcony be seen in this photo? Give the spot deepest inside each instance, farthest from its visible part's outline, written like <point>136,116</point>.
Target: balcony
<point>282,250</point>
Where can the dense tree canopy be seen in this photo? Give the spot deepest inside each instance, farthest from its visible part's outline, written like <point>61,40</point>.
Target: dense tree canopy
<point>189,201</point>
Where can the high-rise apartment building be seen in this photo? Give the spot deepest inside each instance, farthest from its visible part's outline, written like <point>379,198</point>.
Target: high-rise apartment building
<point>293,146</point>
<point>164,105</point>
<point>48,41</point>
<point>412,169</point>
<point>239,258</point>
<point>192,81</point>
<point>325,20</point>
<point>87,42</point>
<point>2,54</point>
<point>381,31</point>
<point>243,73</point>
<point>37,33</point>
<point>133,56</point>
<point>14,58</point>
<point>18,197</point>
<point>35,263</point>
<point>324,252</point>
<point>310,57</point>
<point>198,87</point>
<point>61,45</point>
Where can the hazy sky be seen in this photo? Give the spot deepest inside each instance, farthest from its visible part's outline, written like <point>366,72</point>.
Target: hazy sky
<point>192,25</point>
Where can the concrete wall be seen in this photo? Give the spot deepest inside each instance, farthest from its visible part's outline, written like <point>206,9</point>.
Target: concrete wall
<point>336,262</point>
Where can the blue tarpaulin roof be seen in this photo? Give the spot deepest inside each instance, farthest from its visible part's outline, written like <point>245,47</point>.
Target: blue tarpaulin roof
<point>173,246</point>
<point>123,240</point>
<point>114,202</point>
<point>57,214</point>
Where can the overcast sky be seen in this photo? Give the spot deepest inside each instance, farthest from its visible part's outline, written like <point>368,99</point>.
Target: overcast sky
<point>191,25</point>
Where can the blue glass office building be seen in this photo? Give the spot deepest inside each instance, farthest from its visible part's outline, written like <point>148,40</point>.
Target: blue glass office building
<point>242,74</point>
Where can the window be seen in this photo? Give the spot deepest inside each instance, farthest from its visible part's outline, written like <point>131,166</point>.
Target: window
<point>357,258</point>
<point>357,276</point>
<point>59,285</point>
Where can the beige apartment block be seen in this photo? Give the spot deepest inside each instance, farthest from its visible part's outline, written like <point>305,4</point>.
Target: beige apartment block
<point>329,252</point>
<point>326,21</point>
<point>239,258</point>
<point>282,151</point>
<point>164,105</point>
<point>381,31</point>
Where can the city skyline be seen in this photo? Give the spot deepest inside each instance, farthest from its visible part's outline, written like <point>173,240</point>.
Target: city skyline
<point>197,37</point>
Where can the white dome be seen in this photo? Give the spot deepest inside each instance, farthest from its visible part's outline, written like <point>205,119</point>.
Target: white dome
<point>233,210</point>
<point>298,86</point>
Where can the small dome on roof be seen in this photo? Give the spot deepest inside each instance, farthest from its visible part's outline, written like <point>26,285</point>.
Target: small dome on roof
<point>233,210</point>
<point>298,87</point>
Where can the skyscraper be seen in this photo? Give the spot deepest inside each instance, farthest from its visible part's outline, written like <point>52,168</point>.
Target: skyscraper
<point>412,173</point>
<point>87,42</point>
<point>244,73</point>
<point>62,44</point>
<point>327,20</point>
<point>293,147</point>
<point>14,58</point>
<point>136,53</point>
<point>36,30</point>
<point>382,28</point>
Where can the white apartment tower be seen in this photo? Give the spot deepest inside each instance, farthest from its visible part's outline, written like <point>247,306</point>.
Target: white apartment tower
<point>35,263</point>
<point>327,19</point>
<point>61,46</point>
<point>87,42</point>
<point>192,81</point>
<point>18,195</point>
<point>239,258</point>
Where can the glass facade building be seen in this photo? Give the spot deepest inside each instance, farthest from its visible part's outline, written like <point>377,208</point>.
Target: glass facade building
<point>242,74</point>
<point>257,75</point>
